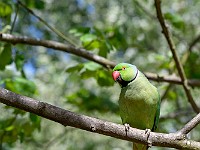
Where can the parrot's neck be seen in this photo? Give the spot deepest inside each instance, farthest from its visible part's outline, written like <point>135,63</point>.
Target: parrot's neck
<point>124,83</point>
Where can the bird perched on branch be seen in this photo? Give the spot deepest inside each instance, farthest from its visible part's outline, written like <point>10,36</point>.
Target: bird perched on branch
<point>139,100</point>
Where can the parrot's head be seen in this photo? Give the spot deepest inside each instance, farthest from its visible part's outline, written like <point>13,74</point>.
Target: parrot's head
<point>124,73</point>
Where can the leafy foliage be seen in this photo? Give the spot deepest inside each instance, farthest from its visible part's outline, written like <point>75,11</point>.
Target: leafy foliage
<point>21,124</point>
<point>5,55</point>
<point>92,70</point>
<point>176,20</point>
<point>21,86</point>
<point>5,9</point>
<point>93,39</point>
<point>88,101</point>
<point>191,66</point>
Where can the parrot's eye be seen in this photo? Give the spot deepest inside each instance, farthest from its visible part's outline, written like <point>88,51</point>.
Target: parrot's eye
<point>123,68</point>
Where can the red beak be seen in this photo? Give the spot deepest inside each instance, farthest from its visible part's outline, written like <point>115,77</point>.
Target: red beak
<point>115,75</point>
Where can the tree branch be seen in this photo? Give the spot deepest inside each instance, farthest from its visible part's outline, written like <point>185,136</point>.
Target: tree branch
<point>147,12</point>
<point>181,72</point>
<point>57,46</point>
<point>190,125</point>
<point>88,55</point>
<point>170,79</point>
<point>190,47</point>
<point>83,122</point>
<point>193,43</point>
<point>15,18</point>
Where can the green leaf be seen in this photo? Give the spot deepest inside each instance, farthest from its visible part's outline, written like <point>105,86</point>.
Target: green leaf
<point>21,135</point>
<point>21,86</point>
<point>104,78</point>
<point>89,70</point>
<point>5,56</point>
<point>19,61</point>
<point>88,38</point>
<point>103,51</point>
<point>191,66</point>
<point>172,95</point>
<point>38,4</point>
<point>88,74</point>
<point>92,66</point>
<point>9,128</point>
<point>96,44</point>
<point>89,101</point>
<point>75,68</point>
<point>176,20</point>
<point>5,9</point>
<point>86,70</point>
<point>79,31</point>
<point>27,128</point>
<point>36,120</point>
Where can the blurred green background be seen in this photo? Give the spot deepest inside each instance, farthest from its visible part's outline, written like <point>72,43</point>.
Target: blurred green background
<point>122,31</point>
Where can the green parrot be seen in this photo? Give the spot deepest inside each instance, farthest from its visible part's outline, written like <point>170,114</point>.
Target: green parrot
<point>139,100</point>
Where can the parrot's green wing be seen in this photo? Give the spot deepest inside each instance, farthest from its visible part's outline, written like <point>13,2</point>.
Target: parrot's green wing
<point>139,100</point>
<point>139,104</point>
<point>156,120</point>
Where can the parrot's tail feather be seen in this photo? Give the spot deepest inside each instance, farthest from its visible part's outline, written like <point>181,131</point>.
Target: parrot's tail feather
<point>137,146</point>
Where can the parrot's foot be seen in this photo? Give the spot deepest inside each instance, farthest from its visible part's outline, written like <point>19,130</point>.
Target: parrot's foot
<point>127,127</point>
<point>149,142</point>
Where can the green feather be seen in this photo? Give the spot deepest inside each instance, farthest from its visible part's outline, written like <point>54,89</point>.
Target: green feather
<point>139,101</point>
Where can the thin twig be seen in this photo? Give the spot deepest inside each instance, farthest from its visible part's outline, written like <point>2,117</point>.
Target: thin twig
<point>54,139</point>
<point>190,47</point>
<point>147,12</point>
<point>15,18</point>
<point>90,124</point>
<point>193,43</point>
<point>181,72</point>
<point>88,55</point>
<point>163,96</point>
<point>46,24</point>
<point>190,125</point>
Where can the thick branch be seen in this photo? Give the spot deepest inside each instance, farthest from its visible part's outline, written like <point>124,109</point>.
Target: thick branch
<point>83,122</point>
<point>57,46</point>
<point>88,55</point>
<point>181,72</point>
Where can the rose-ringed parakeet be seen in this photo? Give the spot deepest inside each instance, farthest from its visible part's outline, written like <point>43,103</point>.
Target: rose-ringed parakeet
<point>139,101</point>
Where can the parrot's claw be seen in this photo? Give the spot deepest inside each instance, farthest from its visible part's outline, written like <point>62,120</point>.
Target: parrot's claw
<point>147,131</point>
<point>149,142</point>
<point>127,127</point>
